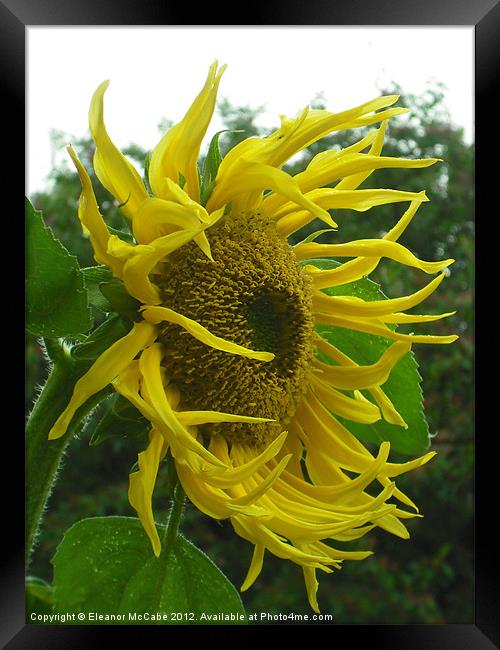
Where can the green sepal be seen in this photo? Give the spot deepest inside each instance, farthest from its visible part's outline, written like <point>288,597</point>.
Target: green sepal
<point>108,293</point>
<point>122,205</point>
<point>211,166</point>
<point>403,385</point>
<point>126,235</point>
<point>105,565</point>
<point>118,419</point>
<point>113,329</point>
<point>313,236</point>
<point>94,277</point>
<point>56,299</point>
<point>120,300</point>
<point>147,162</point>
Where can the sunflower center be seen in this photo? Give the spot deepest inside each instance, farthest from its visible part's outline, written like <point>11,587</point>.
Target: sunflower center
<point>253,294</point>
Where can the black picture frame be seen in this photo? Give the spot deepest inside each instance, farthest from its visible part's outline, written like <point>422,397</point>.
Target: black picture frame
<point>484,16</point>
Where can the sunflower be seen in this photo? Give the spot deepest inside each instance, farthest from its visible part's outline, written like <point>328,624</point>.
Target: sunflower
<point>225,360</point>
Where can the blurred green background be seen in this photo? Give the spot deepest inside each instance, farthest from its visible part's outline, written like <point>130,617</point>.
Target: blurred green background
<point>427,579</point>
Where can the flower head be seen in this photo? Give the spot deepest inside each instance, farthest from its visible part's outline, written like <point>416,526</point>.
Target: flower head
<point>224,358</point>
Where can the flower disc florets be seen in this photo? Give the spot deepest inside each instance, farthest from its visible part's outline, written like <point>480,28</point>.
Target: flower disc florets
<point>252,293</point>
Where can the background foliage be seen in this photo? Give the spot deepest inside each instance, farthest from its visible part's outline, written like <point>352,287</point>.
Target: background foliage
<point>428,579</point>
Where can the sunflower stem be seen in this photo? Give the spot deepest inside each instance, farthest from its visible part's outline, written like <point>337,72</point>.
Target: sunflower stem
<point>43,456</point>
<point>171,529</point>
<point>174,519</point>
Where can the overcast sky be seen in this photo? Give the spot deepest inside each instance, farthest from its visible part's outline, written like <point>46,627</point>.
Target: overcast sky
<point>156,72</point>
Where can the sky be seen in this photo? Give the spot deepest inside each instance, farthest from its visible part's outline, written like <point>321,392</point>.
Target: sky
<point>155,73</point>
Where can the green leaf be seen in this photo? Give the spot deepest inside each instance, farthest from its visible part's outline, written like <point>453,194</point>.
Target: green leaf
<point>211,165</point>
<point>39,597</point>
<point>119,418</point>
<point>114,328</point>
<point>402,387</point>
<point>57,303</point>
<point>106,565</point>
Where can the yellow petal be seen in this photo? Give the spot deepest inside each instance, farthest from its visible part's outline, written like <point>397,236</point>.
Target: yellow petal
<point>177,153</point>
<point>206,498</point>
<point>249,180</point>
<point>244,471</point>
<point>262,486</point>
<point>415,318</point>
<point>127,384</point>
<point>114,171</point>
<point>159,314</point>
<point>312,585</point>
<point>158,217</point>
<point>392,525</point>
<point>358,268</point>
<point>387,408</point>
<point>359,200</point>
<point>369,248</point>
<point>141,486</point>
<point>257,532</point>
<point>358,377</point>
<point>311,125</point>
<point>343,555</point>
<point>354,181</point>
<point>396,469</point>
<point>356,410</point>
<point>272,202</point>
<point>372,326</point>
<point>137,269</point>
<point>350,306</point>
<point>181,441</point>
<point>104,370</point>
<point>193,418</point>
<point>322,429</point>
<point>91,220</point>
<point>336,168</point>
<point>255,567</point>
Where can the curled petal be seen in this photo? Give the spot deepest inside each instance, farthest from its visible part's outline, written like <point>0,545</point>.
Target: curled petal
<point>177,153</point>
<point>359,377</point>
<point>359,200</point>
<point>114,171</point>
<point>311,125</point>
<point>255,567</point>
<point>357,410</point>
<point>368,248</point>
<point>333,167</point>
<point>141,486</point>
<point>350,306</point>
<point>249,179</point>
<point>378,328</point>
<point>144,259</point>
<point>158,217</point>
<point>92,221</point>
<point>159,314</point>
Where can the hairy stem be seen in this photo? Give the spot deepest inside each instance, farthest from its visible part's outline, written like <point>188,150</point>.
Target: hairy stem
<point>43,456</point>
<point>170,537</point>
<point>174,519</point>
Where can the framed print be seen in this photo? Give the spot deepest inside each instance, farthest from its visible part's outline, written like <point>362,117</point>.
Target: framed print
<point>249,305</point>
